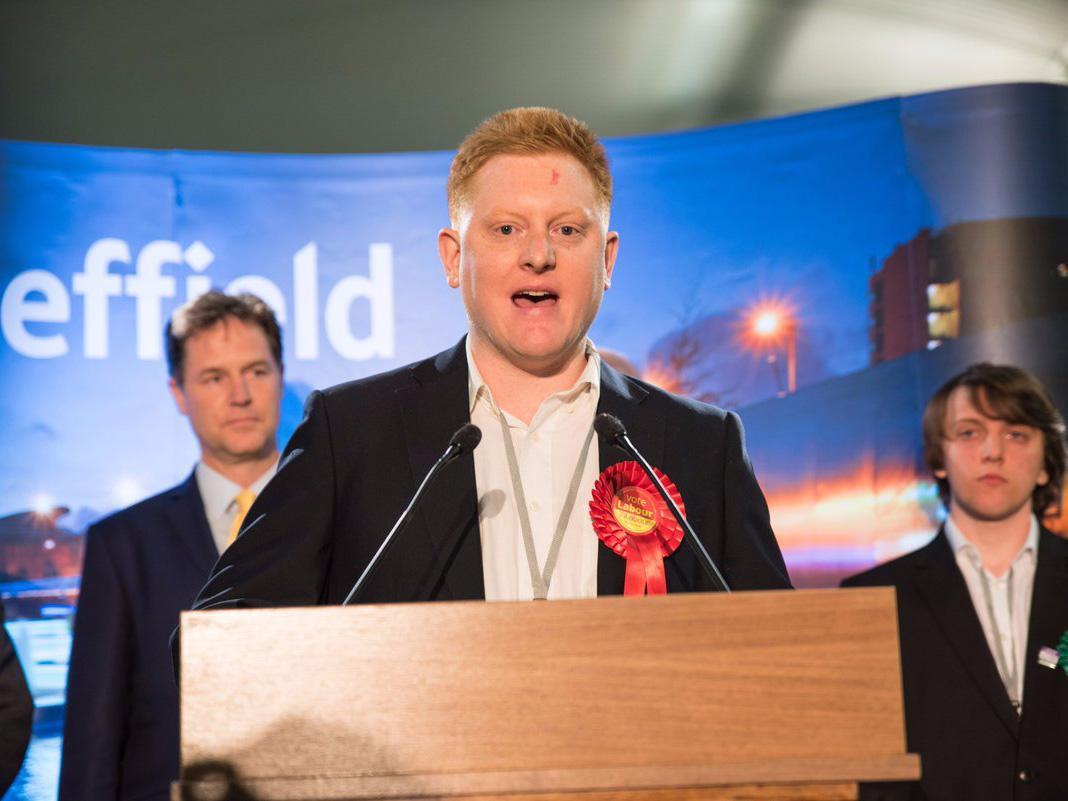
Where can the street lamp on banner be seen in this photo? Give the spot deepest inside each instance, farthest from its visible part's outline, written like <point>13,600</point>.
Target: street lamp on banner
<point>770,324</point>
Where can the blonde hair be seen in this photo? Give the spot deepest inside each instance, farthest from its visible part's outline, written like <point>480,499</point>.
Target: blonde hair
<point>529,130</point>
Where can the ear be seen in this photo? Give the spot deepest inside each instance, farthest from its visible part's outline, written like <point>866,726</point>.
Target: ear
<point>940,473</point>
<point>449,253</point>
<point>1043,478</point>
<point>611,248</point>
<point>179,396</point>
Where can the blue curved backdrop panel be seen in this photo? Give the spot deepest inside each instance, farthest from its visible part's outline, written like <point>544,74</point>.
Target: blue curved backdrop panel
<point>899,240</point>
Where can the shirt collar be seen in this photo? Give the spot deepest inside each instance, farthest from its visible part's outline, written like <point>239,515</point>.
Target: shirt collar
<point>217,492</point>
<point>958,542</point>
<point>590,377</point>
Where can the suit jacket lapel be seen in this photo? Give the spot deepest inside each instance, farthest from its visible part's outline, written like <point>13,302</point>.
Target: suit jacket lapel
<point>1048,621</point>
<point>433,407</point>
<point>190,524</point>
<point>622,397</point>
<point>942,586</point>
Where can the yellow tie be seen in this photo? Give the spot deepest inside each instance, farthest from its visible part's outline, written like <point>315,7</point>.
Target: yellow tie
<point>244,501</point>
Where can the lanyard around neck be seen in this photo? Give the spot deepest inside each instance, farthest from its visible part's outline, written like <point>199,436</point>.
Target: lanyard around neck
<point>540,579</point>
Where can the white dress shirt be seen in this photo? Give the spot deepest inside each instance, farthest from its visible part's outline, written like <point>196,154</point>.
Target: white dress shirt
<point>218,493</point>
<point>1010,601</point>
<point>547,452</point>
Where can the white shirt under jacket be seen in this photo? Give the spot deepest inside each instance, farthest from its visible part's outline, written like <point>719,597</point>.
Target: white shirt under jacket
<point>219,496</point>
<point>547,451</point>
<point>1012,611</point>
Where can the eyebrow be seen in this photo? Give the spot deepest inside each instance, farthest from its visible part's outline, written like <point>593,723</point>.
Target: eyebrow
<point>251,365</point>
<point>977,421</point>
<point>588,214</point>
<point>583,211</point>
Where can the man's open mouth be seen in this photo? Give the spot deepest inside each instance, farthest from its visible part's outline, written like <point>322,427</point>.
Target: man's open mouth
<point>529,298</point>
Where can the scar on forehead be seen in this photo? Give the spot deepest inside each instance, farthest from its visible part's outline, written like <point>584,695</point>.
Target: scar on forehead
<point>556,177</point>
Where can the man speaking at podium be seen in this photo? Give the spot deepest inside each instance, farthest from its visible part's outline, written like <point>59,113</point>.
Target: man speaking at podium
<point>531,253</point>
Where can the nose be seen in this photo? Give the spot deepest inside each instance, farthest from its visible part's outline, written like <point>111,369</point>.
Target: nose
<point>239,392</point>
<point>539,255</point>
<point>993,447</point>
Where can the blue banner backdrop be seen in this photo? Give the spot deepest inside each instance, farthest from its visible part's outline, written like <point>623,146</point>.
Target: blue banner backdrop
<point>822,273</point>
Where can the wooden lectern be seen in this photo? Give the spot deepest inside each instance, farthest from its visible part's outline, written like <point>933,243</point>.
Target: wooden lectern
<point>754,695</point>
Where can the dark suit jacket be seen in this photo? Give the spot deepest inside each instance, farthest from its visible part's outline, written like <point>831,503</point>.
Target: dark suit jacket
<point>16,710</point>
<point>142,566</point>
<point>357,457</point>
<point>971,742</point>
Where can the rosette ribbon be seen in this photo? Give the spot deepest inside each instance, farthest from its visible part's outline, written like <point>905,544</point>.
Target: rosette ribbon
<point>632,519</point>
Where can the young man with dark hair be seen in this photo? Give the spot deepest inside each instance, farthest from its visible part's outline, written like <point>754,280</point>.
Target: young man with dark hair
<point>530,250</point>
<point>984,707</point>
<point>143,565</point>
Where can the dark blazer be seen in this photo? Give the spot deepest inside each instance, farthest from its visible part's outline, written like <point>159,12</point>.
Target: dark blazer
<point>16,710</point>
<point>357,457</point>
<point>958,717</point>
<point>142,566</point>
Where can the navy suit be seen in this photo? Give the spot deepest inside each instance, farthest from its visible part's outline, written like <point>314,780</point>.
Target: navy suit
<point>142,566</point>
<point>973,745</point>
<point>362,448</point>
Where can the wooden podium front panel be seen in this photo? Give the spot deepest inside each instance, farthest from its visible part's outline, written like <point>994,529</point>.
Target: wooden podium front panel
<point>475,687</point>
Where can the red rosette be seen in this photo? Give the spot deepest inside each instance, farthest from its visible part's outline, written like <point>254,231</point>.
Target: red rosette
<point>632,519</point>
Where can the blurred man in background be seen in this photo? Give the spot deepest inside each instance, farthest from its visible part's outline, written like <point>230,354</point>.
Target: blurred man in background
<point>145,564</point>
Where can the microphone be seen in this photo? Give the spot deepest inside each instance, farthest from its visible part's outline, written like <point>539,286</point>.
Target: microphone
<point>465,440</point>
<point>611,430</point>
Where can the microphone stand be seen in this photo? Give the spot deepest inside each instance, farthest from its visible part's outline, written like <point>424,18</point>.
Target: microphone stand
<point>466,439</point>
<point>613,430</point>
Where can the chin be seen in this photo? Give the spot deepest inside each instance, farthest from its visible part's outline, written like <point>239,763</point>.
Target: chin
<point>994,513</point>
<point>545,350</point>
<point>248,448</point>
